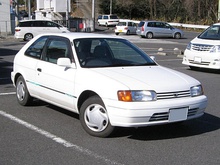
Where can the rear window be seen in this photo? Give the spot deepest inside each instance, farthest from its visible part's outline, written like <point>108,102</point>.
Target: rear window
<point>121,24</point>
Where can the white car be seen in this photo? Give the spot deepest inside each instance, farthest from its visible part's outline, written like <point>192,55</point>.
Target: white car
<point>108,20</point>
<point>204,50</point>
<point>27,29</point>
<point>126,27</point>
<point>107,80</point>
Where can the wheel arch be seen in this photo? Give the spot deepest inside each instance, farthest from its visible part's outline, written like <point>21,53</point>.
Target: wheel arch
<point>84,96</point>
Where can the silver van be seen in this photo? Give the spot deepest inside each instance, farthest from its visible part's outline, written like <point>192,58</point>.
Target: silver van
<point>151,29</point>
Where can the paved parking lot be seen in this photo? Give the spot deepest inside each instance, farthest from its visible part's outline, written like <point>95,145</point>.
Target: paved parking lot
<point>45,134</point>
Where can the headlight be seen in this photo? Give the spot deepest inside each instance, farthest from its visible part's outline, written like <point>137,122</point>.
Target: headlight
<point>189,46</point>
<point>137,95</point>
<point>196,91</point>
<point>215,49</point>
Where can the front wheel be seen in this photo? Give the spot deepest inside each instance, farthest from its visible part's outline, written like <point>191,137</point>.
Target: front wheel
<point>94,117</point>
<point>22,93</point>
<point>177,35</point>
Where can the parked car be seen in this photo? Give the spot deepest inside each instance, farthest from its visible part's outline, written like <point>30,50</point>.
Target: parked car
<point>204,50</point>
<point>126,27</point>
<point>105,79</point>
<point>151,29</point>
<point>27,29</point>
<point>108,20</point>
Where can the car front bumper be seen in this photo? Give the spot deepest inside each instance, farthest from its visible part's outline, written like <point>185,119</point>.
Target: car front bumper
<point>155,113</point>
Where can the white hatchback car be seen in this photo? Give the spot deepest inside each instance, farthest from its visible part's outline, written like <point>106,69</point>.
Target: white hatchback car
<point>107,80</point>
<point>126,27</point>
<point>204,50</point>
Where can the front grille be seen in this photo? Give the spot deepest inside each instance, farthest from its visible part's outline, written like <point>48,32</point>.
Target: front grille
<point>200,63</point>
<point>199,47</point>
<point>172,95</point>
<point>192,112</point>
<point>165,115</point>
<point>159,116</point>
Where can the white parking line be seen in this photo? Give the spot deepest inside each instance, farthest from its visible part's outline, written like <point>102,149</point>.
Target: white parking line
<point>58,139</point>
<point>9,93</point>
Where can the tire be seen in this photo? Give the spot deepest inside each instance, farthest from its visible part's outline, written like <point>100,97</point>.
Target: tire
<point>28,37</point>
<point>193,68</point>
<point>149,35</point>
<point>116,33</point>
<point>22,94</point>
<point>94,117</point>
<point>177,35</point>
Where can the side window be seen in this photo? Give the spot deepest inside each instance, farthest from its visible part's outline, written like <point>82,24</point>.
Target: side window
<point>105,17</point>
<point>51,24</point>
<point>35,50</point>
<point>129,23</point>
<point>57,48</point>
<point>24,24</point>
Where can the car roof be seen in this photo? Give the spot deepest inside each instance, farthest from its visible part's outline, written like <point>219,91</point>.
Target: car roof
<point>77,35</point>
<point>216,24</point>
<point>34,20</point>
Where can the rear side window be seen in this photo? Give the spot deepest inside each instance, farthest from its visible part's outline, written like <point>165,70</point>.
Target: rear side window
<point>36,49</point>
<point>151,24</point>
<point>141,24</point>
<point>24,24</point>
<point>113,17</point>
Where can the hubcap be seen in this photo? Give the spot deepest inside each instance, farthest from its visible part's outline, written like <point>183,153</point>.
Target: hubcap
<point>20,91</point>
<point>96,117</point>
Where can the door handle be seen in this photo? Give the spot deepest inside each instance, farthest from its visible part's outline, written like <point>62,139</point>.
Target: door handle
<point>39,69</point>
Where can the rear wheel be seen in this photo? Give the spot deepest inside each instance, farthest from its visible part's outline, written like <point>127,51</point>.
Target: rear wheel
<point>116,33</point>
<point>22,93</point>
<point>94,117</point>
<point>28,37</point>
<point>149,35</point>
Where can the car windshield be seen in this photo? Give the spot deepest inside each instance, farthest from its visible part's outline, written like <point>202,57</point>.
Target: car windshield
<point>213,33</point>
<point>108,52</point>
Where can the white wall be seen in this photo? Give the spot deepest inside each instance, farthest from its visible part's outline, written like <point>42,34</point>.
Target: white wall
<point>5,21</point>
<point>56,5</point>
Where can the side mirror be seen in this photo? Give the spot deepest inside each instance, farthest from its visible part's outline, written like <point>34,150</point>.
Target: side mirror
<point>65,62</point>
<point>153,58</point>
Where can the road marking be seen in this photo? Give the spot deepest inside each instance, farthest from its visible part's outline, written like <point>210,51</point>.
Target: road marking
<point>9,93</point>
<point>59,140</point>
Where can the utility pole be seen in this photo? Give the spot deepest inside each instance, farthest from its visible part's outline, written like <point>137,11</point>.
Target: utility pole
<point>219,10</point>
<point>93,14</point>
<point>111,6</point>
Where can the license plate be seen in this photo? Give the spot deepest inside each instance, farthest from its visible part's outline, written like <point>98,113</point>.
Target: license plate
<point>198,59</point>
<point>120,30</point>
<point>178,114</point>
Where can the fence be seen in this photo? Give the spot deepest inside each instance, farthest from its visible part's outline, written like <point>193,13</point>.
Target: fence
<point>6,28</point>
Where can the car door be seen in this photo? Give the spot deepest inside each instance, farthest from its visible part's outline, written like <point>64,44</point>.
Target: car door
<point>167,30</point>
<point>56,82</point>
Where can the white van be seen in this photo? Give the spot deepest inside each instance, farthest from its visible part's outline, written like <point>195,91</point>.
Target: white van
<point>28,29</point>
<point>108,20</point>
<point>204,50</point>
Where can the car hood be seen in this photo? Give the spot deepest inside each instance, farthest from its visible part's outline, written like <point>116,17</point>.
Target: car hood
<point>205,41</point>
<point>156,78</point>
